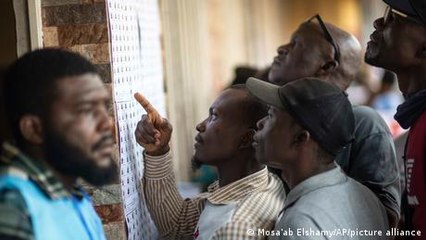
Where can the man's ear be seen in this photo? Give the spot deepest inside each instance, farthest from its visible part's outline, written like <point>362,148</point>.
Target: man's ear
<point>327,68</point>
<point>422,51</point>
<point>301,137</point>
<point>247,138</point>
<point>31,129</point>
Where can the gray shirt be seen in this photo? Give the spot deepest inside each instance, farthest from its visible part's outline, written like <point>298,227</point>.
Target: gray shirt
<point>331,205</point>
<point>371,158</point>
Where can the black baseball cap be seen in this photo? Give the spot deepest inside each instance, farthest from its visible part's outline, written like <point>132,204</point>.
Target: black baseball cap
<point>320,107</point>
<point>413,8</point>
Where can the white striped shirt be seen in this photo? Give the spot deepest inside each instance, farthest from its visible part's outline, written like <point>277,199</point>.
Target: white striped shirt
<point>259,197</point>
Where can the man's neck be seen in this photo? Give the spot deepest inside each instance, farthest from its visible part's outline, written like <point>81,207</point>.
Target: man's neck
<point>36,154</point>
<point>295,175</point>
<point>232,170</point>
<point>412,80</point>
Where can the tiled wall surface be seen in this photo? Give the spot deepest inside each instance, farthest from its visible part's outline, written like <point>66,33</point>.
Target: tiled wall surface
<point>81,26</point>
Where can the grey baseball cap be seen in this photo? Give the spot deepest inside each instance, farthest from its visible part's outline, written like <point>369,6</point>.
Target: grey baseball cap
<point>320,107</point>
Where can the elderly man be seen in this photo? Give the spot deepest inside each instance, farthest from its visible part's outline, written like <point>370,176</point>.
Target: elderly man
<point>322,50</point>
<point>309,122</point>
<point>399,44</point>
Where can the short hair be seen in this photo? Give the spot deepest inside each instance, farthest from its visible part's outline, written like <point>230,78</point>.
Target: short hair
<point>254,108</point>
<point>30,83</point>
<point>242,73</point>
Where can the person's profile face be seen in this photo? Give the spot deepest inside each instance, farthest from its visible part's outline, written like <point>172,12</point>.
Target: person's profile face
<point>273,142</point>
<point>78,132</point>
<point>219,135</point>
<point>300,57</point>
<point>394,43</point>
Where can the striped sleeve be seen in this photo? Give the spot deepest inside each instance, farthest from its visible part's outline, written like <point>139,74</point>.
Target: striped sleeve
<point>15,221</point>
<point>174,217</point>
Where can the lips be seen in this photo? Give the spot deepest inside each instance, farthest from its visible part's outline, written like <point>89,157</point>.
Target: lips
<point>104,146</point>
<point>198,141</point>
<point>198,138</point>
<point>376,37</point>
<point>255,142</point>
<point>276,60</point>
<point>107,150</point>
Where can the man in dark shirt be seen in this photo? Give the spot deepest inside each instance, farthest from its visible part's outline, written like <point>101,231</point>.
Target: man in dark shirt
<point>324,51</point>
<point>399,45</point>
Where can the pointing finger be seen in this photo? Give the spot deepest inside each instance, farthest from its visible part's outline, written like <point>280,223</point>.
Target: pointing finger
<point>150,110</point>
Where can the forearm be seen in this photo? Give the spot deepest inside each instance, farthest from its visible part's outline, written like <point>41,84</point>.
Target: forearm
<point>174,217</point>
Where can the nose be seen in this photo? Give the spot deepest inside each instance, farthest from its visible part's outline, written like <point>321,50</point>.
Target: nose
<point>282,50</point>
<point>201,127</point>
<point>105,120</point>
<point>379,23</point>
<point>260,124</point>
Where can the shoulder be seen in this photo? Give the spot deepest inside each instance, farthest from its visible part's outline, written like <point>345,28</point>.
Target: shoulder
<point>263,205</point>
<point>12,197</point>
<point>273,192</point>
<point>15,220</point>
<point>368,121</point>
<point>420,124</point>
<point>296,220</point>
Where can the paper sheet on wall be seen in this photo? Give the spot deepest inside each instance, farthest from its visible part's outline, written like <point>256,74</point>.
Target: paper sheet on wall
<point>136,67</point>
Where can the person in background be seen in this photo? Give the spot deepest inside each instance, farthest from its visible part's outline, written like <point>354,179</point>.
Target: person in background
<point>309,122</point>
<point>324,51</point>
<point>242,73</point>
<point>386,100</point>
<point>245,196</point>
<point>56,106</point>
<point>398,44</point>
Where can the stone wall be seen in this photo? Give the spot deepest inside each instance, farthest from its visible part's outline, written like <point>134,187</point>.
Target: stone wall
<point>81,26</point>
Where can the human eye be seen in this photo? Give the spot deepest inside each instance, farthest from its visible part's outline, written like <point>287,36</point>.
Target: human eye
<point>213,115</point>
<point>85,109</point>
<point>293,41</point>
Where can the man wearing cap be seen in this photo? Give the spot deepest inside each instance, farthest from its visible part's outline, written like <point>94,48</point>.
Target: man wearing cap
<point>324,51</point>
<point>309,122</point>
<point>399,44</point>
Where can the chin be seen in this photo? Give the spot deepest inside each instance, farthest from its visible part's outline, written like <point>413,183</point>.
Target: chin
<point>372,55</point>
<point>259,158</point>
<point>370,59</point>
<point>278,81</point>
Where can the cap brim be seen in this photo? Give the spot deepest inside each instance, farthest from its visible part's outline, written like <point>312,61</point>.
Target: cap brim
<point>266,92</point>
<point>402,6</point>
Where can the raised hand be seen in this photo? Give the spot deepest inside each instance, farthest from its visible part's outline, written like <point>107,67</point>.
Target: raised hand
<point>152,132</point>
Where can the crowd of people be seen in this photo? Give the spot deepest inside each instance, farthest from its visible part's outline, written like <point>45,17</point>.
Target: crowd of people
<point>294,158</point>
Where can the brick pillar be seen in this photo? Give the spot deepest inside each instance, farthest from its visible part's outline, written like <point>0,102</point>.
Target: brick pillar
<point>81,26</point>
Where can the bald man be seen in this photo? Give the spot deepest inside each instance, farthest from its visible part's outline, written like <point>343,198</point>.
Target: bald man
<point>324,51</point>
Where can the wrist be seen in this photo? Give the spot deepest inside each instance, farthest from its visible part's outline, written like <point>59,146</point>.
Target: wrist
<point>159,152</point>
